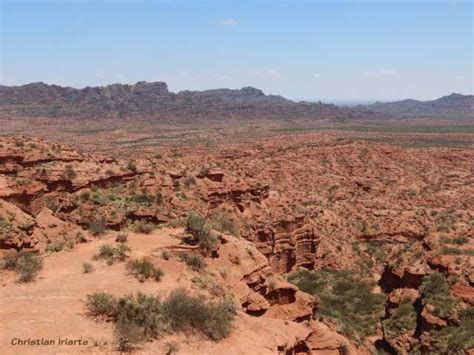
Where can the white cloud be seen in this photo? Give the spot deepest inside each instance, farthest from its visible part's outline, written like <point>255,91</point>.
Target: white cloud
<point>228,22</point>
<point>380,72</point>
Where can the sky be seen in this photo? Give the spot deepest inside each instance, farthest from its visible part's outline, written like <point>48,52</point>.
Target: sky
<point>334,51</point>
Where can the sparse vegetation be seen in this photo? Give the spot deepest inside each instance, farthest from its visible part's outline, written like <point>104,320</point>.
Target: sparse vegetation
<point>195,261</point>
<point>143,227</point>
<point>132,166</point>
<point>97,227</point>
<point>141,317</point>
<point>435,291</point>
<point>70,172</point>
<point>58,245</point>
<point>101,305</point>
<point>144,269</point>
<point>460,240</point>
<point>455,339</point>
<point>25,263</point>
<point>345,298</point>
<point>111,253</point>
<point>201,232</point>
<point>225,225</point>
<point>402,321</point>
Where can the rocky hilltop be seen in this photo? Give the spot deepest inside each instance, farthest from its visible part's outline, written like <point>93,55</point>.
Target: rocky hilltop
<point>155,100</point>
<point>327,246</point>
<point>454,105</point>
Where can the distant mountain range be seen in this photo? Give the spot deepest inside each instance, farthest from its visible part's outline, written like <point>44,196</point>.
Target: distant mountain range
<point>454,105</point>
<point>156,101</point>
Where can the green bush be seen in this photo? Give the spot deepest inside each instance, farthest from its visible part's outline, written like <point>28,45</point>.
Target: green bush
<point>97,227</point>
<point>25,263</point>
<point>455,339</point>
<point>461,240</point>
<point>70,172</point>
<point>144,269</point>
<point>143,227</point>
<point>225,225</point>
<point>141,317</point>
<point>195,261</point>
<point>101,305</point>
<point>58,245</point>
<point>132,166</point>
<point>186,312</point>
<point>435,291</point>
<point>402,320</point>
<point>344,297</point>
<point>201,233</point>
<point>143,199</point>
<point>111,253</point>
<point>54,246</point>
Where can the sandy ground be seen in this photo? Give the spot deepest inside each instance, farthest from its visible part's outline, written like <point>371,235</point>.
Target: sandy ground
<point>52,307</point>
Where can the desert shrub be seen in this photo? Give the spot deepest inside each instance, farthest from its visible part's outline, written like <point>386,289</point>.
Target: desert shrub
<point>25,264</point>
<point>101,305</point>
<point>225,225</point>
<point>403,320</point>
<point>188,181</point>
<point>455,339</point>
<point>121,238</point>
<point>460,240</point>
<point>435,291</point>
<point>144,269</point>
<point>143,227</point>
<point>99,198</point>
<point>186,312</point>
<point>58,245</point>
<point>166,255</point>
<point>142,199</point>
<point>54,246</point>
<point>201,233</point>
<point>111,253</point>
<point>445,228</point>
<point>87,268</point>
<point>84,196</point>
<point>97,227</point>
<point>344,297</point>
<point>176,223</point>
<point>131,166</point>
<point>70,172</point>
<point>204,281</point>
<point>194,261</point>
<point>141,317</point>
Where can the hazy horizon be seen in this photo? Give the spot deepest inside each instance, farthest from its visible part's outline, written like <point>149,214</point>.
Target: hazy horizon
<point>354,51</point>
